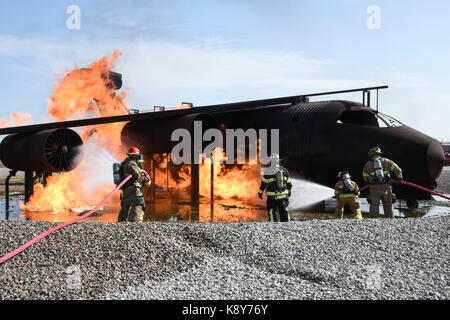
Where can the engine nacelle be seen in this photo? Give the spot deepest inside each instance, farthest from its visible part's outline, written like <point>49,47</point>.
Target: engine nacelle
<point>53,150</point>
<point>154,136</point>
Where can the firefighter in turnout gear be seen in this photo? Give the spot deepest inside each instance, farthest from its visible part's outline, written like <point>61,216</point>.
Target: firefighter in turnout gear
<point>377,172</point>
<point>132,200</point>
<point>347,192</point>
<point>278,187</point>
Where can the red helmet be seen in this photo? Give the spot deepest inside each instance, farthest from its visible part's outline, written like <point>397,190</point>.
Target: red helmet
<point>134,151</point>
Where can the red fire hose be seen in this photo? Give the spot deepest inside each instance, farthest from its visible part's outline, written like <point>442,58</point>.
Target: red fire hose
<point>406,183</point>
<point>422,188</point>
<point>46,233</point>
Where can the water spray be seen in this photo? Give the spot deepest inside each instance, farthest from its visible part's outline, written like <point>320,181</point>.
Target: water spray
<point>306,194</point>
<point>96,167</point>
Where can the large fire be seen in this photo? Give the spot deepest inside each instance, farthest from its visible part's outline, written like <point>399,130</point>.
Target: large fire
<point>78,94</point>
<point>87,92</point>
<point>230,181</point>
<point>82,93</point>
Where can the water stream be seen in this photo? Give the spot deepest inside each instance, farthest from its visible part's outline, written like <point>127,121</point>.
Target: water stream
<point>306,193</point>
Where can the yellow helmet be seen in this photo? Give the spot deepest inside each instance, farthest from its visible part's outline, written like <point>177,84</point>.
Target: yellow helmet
<point>375,151</point>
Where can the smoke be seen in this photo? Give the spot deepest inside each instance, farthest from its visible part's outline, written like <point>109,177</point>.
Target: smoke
<point>96,168</point>
<point>306,193</point>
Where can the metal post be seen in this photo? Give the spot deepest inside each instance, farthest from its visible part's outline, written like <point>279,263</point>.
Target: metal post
<point>12,173</point>
<point>44,178</point>
<point>167,171</point>
<point>212,189</point>
<point>368,99</point>
<point>153,177</point>
<point>29,183</point>
<point>195,188</point>
<point>195,185</point>
<point>377,103</point>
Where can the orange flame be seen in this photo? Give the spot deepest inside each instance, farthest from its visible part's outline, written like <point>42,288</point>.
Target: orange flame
<point>87,92</point>
<point>184,106</point>
<point>230,181</point>
<point>17,119</point>
<point>78,94</point>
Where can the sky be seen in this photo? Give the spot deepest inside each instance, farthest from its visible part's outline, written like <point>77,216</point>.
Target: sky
<point>210,52</point>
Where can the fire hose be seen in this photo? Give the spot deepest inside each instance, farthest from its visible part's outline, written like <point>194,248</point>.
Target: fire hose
<point>46,233</point>
<point>406,183</point>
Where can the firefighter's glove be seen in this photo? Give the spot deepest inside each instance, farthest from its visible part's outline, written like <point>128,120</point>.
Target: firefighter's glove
<point>145,179</point>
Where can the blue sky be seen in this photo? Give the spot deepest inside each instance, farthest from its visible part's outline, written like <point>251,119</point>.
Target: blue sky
<point>223,51</point>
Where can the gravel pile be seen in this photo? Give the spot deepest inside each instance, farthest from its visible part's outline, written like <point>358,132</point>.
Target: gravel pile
<point>444,181</point>
<point>319,259</point>
<point>443,187</point>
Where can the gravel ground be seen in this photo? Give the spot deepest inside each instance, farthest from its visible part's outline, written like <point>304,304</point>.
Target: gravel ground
<point>444,181</point>
<point>318,259</point>
<point>443,187</point>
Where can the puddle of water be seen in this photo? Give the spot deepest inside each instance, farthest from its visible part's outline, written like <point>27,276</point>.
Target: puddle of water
<point>14,210</point>
<point>440,199</point>
<point>221,211</point>
<point>401,210</point>
<point>164,208</point>
<point>159,210</point>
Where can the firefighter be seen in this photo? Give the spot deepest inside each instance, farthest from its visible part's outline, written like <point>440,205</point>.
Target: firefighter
<point>132,200</point>
<point>278,187</point>
<point>377,172</point>
<point>347,192</point>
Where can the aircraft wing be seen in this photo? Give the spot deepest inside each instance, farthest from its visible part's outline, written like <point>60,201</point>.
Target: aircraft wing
<point>227,107</point>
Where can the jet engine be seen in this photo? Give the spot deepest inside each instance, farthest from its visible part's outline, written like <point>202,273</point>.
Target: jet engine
<point>46,151</point>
